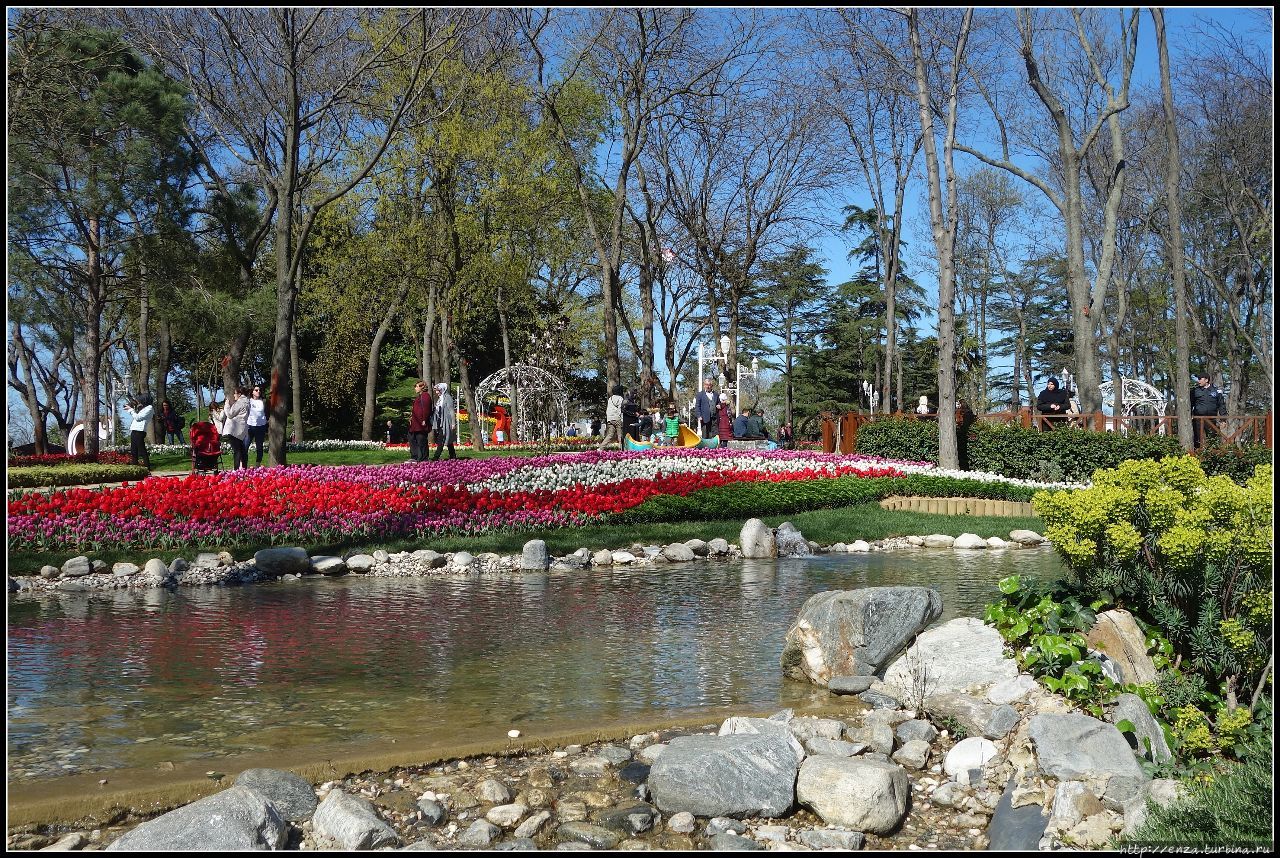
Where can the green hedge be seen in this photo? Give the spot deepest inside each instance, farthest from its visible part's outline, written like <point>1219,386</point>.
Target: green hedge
<point>752,500</point>
<point>1236,461</point>
<point>1060,455</point>
<point>73,475</point>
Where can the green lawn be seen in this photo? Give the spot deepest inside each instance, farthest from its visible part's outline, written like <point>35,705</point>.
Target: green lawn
<point>867,521</point>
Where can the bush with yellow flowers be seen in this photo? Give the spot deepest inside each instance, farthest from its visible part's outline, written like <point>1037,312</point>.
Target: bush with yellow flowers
<point>1188,553</point>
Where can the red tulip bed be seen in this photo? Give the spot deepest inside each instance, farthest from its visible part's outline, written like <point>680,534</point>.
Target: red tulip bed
<point>303,504</point>
<point>53,459</point>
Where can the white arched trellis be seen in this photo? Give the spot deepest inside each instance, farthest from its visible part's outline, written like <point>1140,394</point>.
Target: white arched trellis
<point>1137,398</point>
<point>539,397</point>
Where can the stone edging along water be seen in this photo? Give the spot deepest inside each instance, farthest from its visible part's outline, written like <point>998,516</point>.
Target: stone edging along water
<point>81,574</point>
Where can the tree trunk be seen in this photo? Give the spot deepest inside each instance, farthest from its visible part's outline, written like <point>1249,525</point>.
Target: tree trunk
<point>1177,264</point>
<point>97,302</point>
<point>375,353</point>
<point>29,395</point>
<point>295,364</point>
<point>164,360</point>
<point>144,356</point>
<point>468,395</point>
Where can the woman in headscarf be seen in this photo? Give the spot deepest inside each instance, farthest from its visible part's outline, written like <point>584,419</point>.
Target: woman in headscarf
<point>724,420</point>
<point>1053,405</point>
<point>444,422</point>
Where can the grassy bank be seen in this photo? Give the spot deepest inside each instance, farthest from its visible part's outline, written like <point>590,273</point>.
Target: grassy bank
<point>866,521</point>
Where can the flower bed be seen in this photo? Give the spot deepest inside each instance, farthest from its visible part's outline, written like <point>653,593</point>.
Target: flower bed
<point>414,499</point>
<point>53,460</point>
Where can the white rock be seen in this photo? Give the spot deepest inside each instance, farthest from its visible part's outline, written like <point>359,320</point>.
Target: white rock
<point>462,559</point>
<point>969,541</point>
<point>917,541</point>
<point>506,815</point>
<point>996,542</point>
<point>957,656</point>
<point>971,753</point>
<point>938,540</point>
<point>1025,537</point>
<point>623,557</point>
<point>1011,690</point>
<point>682,823</point>
<point>860,545</point>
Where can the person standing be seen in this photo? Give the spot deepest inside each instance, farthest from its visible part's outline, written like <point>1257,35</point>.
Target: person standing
<point>1053,405</point>
<point>613,418</point>
<point>631,415</point>
<point>141,411</point>
<point>444,422</point>
<point>257,424</point>
<point>1206,401</point>
<point>704,406</point>
<point>671,425</point>
<point>420,422</point>
<point>786,437</point>
<point>235,427</point>
<point>171,424</point>
<point>724,421</point>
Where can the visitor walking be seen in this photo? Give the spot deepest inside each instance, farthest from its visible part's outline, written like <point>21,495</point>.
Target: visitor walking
<point>1053,405</point>
<point>141,410</point>
<point>235,427</point>
<point>786,437</point>
<point>613,418</point>
<point>704,406</point>
<point>444,422</point>
<point>1207,402</point>
<point>171,424</point>
<point>257,423</point>
<point>724,421</point>
<point>419,422</point>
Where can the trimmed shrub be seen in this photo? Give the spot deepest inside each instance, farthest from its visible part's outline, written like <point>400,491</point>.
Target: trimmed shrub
<point>74,475</point>
<point>893,438</point>
<point>1236,461</point>
<point>751,500</point>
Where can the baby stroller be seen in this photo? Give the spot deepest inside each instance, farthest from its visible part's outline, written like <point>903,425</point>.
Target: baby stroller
<point>206,448</point>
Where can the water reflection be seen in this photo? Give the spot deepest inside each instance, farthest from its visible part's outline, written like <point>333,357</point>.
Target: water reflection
<point>123,679</point>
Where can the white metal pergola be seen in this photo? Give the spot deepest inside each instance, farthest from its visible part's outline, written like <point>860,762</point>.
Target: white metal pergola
<point>531,389</point>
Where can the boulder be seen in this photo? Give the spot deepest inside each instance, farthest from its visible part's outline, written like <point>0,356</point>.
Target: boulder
<point>698,547</point>
<point>877,736</point>
<point>603,557</point>
<point>838,548</point>
<point>1073,801</point>
<point>734,775</point>
<point>916,541</point>
<point>1011,690</point>
<point>381,556</point>
<point>431,559</point>
<point>855,632</point>
<point>482,832</point>
<point>493,791</point>
<point>210,560</point>
<point>533,824</point>
<point>996,542</point>
<point>360,563</point>
<point>1015,829</point>
<point>859,546</point>
<point>462,559</point>
<point>351,823</point>
<point>1147,733</point>
<point>791,542</point>
<point>969,541</point>
<point>534,557</point>
<point>968,754</point>
<point>623,557</point>
<point>849,684</point>
<point>913,755</point>
<point>757,540</point>
<point>327,565</point>
<point>124,570</point>
<point>76,567</point>
<point>1116,633</point>
<point>274,562</point>
<point>1077,747</point>
<point>178,565</point>
<point>977,717</point>
<point>807,727</point>
<point>959,655</point>
<point>98,567</point>
<point>938,540</point>
<point>739,725</point>
<point>49,572</point>
<point>915,730</point>
<point>678,552</point>
<point>865,795</point>
<point>506,815</point>
<point>155,568</point>
<point>1025,537</point>
<point>718,546</point>
<point>292,796</point>
<point>229,821</point>
<point>433,812</point>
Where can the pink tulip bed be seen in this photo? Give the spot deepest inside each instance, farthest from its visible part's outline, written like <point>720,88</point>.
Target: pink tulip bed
<point>311,503</point>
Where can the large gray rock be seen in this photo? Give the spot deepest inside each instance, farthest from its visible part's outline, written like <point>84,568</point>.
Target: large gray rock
<point>734,775</point>
<point>291,795</point>
<point>328,565</point>
<point>1147,732</point>
<point>718,546</point>
<point>124,570</point>
<point>235,819</point>
<point>535,558</point>
<point>833,747</point>
<point>791,542</point>
<point>806,727</point>
<point>76,567</point>
<point>1025,537</point>
<point>678,552</point>
<point>915,730</point>
<point>274,562</point>
<point>155,568</point>
<point>849,684</point>
<point>1015,829</point>
<point>857,793</point>
<point>1077,747</point>
<point>359,564</point>
<point>49,572</point>
<point>960,655</point>
<point>698,547</point>
<point>939,540</point>
<point>969,541</point>
<point>757,540</point>
<point>855,632</point>
<point>1116,633</point>
<point>351,823</point>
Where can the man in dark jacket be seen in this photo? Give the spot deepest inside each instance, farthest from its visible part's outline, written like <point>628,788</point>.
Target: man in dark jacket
<point>1053,404</point>
<point>755,426</point>
<point>420,422</point>
<point>1206,401</point>
<point>740,425</point>
<point>704,406</point>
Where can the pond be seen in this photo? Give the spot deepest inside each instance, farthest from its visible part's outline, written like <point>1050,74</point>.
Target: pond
<point>143,680</point>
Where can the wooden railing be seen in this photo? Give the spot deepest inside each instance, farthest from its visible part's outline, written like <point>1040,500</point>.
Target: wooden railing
<point>841,431</point>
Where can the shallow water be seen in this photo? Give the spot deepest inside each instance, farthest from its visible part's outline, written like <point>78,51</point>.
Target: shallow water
<point>128,680</point>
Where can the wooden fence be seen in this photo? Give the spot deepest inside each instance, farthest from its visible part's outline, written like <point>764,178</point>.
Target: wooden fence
<point>841,431</point>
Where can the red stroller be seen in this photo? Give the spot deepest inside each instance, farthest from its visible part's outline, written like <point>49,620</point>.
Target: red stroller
<point>206,448</point>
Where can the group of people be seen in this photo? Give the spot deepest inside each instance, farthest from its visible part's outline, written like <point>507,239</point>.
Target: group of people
<point>716,420</point>
<point>432,414</point>
<point>242,420</point>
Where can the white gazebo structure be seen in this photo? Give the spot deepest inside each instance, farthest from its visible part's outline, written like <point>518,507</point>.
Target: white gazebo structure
<point>537,397</point>
<point>1137,399</point>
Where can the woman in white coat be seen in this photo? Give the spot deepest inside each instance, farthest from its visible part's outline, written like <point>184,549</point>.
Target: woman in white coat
<point>234,426</point>
<point>444,422</point>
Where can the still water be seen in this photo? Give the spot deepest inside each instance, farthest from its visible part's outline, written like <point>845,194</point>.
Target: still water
<point>105,681</point>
